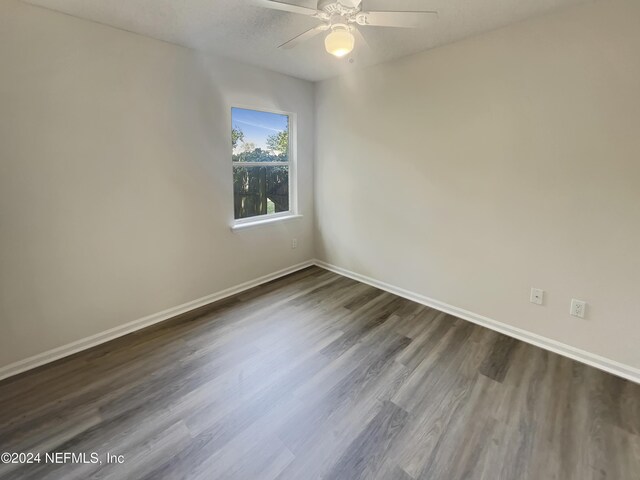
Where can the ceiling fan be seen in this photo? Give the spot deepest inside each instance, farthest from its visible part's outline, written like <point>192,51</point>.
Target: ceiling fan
<point>342,17</point>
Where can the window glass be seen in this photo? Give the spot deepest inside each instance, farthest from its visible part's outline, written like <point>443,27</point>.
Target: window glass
<point>260,142</point>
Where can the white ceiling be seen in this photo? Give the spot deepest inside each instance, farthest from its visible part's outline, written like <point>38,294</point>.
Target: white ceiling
<point>238,29</point>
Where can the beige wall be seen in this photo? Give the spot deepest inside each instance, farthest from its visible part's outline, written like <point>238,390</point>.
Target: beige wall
<point>468,174</point>
<point>115,191</point>
<point>473,172</point>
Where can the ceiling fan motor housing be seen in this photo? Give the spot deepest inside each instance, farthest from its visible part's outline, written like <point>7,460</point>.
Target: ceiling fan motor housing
<point>333,7</point>
<point>341,12</point>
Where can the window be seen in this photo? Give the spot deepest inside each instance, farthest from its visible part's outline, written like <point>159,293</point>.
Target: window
<point>261,164</point>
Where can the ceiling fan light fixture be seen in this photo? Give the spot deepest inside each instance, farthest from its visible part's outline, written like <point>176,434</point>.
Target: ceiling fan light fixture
<point>340,41</point>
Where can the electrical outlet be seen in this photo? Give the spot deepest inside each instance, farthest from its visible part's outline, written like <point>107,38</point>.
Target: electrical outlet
<point>294,243</point>
<point>537,296</point>
<point>578,308</point>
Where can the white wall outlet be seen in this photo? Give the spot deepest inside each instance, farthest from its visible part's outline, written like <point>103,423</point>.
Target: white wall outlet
<point>578,308</point>
<point>537,296</point>
<point>294,243</point>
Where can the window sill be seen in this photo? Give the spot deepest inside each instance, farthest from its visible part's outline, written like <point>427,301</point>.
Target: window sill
<point>265,221</point>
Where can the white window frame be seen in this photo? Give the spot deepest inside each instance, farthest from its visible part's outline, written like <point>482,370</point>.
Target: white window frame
<point>268,218</point>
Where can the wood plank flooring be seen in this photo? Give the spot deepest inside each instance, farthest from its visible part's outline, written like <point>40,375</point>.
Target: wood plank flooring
<point>315,376</point>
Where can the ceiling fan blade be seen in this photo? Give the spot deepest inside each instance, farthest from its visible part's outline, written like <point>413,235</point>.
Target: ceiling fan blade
<point>285,7</point>
<point>304,36</point>
<point>395,19</point>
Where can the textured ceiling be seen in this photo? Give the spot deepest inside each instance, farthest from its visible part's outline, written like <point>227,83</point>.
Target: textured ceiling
<point>238,29</point>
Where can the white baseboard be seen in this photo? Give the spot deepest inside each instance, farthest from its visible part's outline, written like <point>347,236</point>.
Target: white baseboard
<point>611,366</point>
<point>602,363</point>
<point>113,333</point>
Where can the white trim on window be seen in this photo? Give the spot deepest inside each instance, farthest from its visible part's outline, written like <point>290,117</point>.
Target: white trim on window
<point>261,220</point>
<point>261,164</point>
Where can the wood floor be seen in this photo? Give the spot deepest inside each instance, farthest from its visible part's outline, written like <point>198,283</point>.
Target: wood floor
<point>318,376</point>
